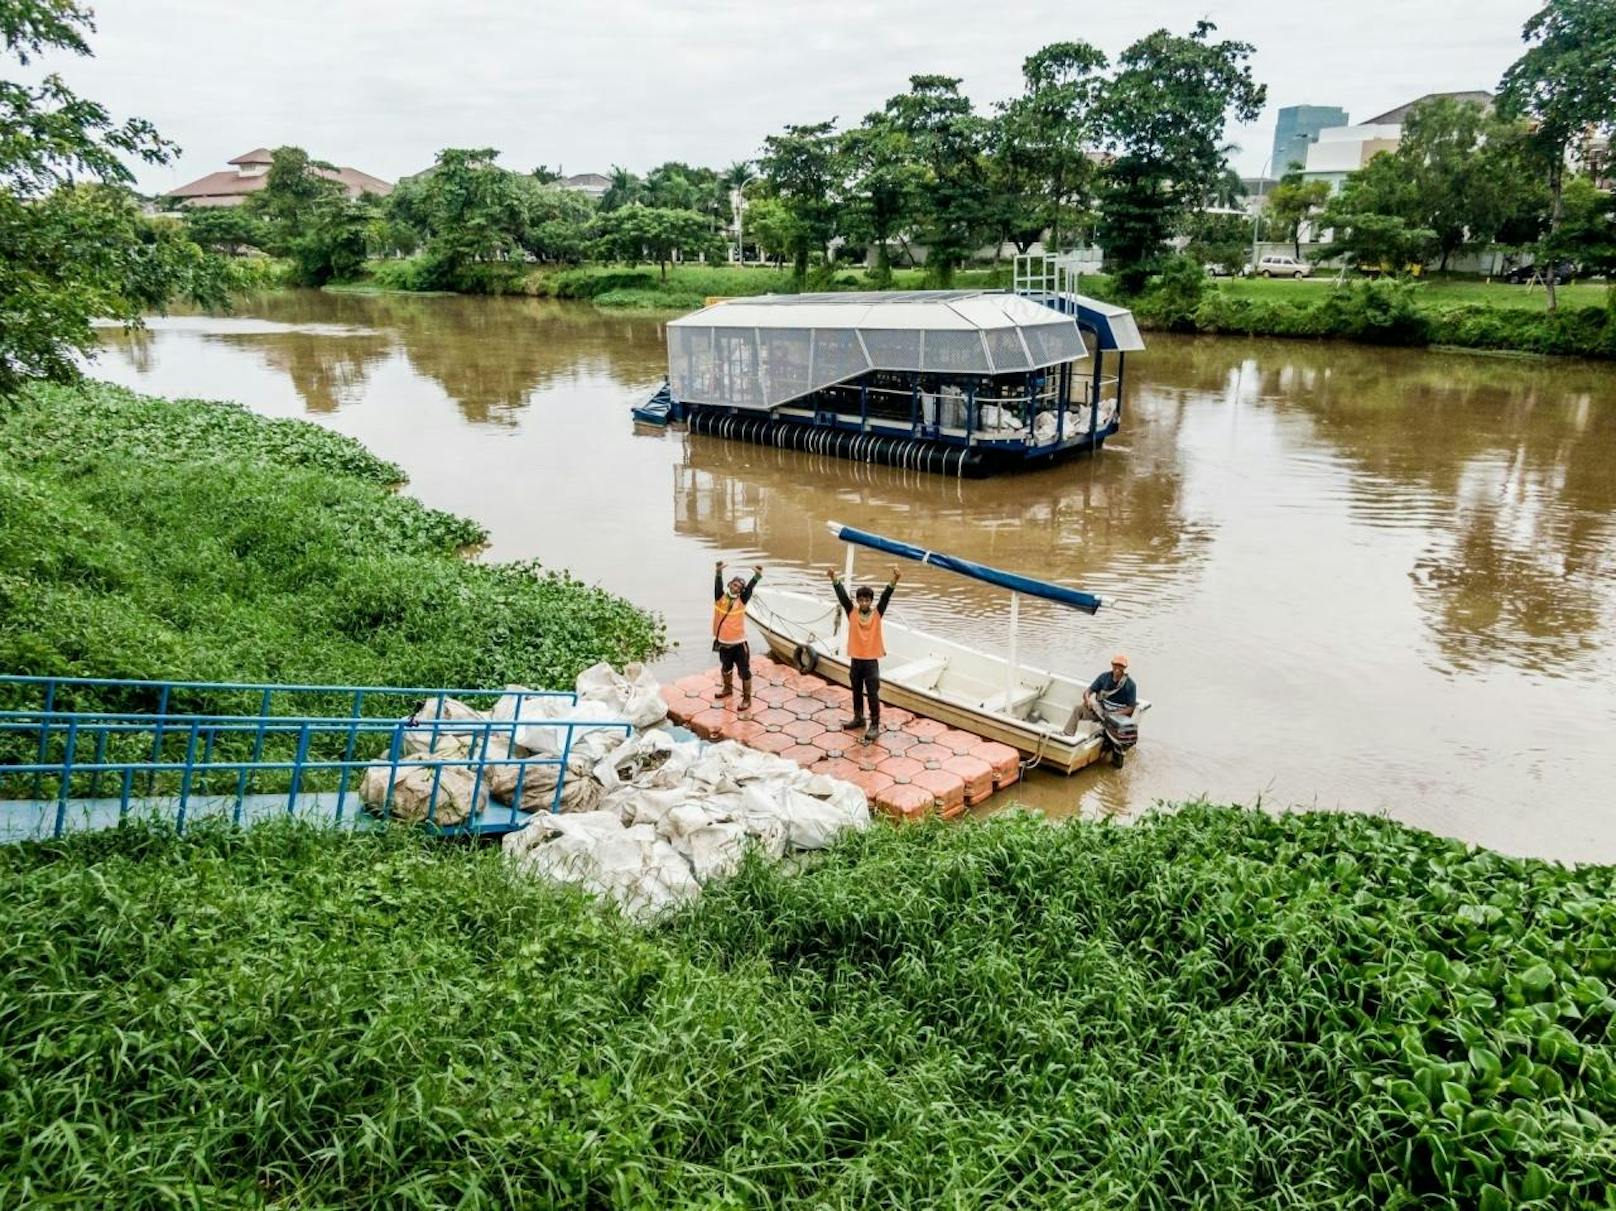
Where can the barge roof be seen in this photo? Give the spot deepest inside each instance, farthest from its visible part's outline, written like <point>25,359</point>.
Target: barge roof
<point>763,351</point>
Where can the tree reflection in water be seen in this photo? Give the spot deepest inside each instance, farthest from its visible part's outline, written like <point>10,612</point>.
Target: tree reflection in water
<point>1505,464</point>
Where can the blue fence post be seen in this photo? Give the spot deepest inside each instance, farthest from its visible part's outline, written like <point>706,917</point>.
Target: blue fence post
<point>297,768</point>
<point>521,769</point>
<point>157,739</point>
<point>257,756</point>
<point>393,748</point>
<point>561,772</point>
<point>210,734</point>
<point>64,787</point>
<point>100,759</point>
<point>44,735</point>
<point>348,753</point>
<point>185,777</point>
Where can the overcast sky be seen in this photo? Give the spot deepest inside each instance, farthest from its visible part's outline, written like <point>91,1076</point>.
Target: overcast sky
<point>382,85</point>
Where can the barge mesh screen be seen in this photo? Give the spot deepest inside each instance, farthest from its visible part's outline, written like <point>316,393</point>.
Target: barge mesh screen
<point>751,367</point>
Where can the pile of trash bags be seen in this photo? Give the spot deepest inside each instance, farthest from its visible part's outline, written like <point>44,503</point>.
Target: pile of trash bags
<point>645,818</point>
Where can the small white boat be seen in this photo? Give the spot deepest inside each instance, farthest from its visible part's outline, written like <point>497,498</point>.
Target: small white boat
<point>993,696</point>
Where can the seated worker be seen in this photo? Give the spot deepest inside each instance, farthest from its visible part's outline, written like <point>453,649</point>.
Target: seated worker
<point>1114,692</point>
<point>865,649</point>
<point>729,631</point>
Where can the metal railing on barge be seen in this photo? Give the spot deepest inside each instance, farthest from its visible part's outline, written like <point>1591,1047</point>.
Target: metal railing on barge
<point>87,753</point>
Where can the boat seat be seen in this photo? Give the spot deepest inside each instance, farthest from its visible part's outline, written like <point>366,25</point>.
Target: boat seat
<point>923,673</point>
<point>1024,696</point>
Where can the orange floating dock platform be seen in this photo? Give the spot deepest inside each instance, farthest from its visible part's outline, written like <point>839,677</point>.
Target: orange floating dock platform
<point>919,766</point>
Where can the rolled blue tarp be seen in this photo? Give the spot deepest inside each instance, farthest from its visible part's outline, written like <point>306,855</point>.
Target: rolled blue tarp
<point>1078,600</point>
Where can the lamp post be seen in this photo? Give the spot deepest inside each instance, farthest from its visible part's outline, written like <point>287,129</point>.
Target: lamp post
<point>737,203</point>
<point>1256,211</point>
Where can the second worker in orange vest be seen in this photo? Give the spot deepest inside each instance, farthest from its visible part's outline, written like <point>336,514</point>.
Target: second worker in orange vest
<point>865,648</point>
<point>729,632</point>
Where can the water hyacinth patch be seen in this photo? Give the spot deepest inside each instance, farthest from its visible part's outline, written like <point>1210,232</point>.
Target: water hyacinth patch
<point>1214,1008</point>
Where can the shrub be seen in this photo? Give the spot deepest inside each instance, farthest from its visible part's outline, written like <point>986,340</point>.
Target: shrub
<point>143,538</point>
<point>1213,1008</point>
<point>1175,297</point>
<point>405,273</point>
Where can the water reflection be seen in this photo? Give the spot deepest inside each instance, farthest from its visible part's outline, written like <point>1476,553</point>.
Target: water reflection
<point>1503,464</point>
<point>489,356</point>
<point>1340,571</point>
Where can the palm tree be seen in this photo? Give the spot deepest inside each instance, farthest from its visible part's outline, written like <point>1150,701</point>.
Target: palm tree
<point>626,188</point>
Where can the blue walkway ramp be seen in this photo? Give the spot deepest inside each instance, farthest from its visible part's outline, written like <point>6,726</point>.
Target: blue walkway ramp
<point>87,753</point>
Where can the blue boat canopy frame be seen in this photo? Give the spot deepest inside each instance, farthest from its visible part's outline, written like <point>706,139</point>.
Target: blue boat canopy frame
<point>1013,581</point>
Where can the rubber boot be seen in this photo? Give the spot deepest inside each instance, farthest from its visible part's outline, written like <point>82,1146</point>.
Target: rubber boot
<point>853,724</point>
<point>746,694</point>
<point>873,732</point>
<point>729,686</point>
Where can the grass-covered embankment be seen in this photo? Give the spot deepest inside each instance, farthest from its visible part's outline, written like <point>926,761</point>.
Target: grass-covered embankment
<point>189,540</point>
<point>1459,314</point>
<point>644,287</point>
<point>1210,1009</point>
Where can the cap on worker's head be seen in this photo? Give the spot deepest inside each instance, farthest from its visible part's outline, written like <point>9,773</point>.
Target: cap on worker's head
<point>865,592</point>
<point>736,583</point>
<point>1119,658</point>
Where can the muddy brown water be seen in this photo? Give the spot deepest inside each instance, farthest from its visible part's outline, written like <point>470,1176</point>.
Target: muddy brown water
<point>1378,580</point>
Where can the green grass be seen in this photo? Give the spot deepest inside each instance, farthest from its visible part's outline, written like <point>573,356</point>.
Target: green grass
<point>689,286</point>
<point>1212,1009</point>
<point>150,538</point>
<point>1433,292</point>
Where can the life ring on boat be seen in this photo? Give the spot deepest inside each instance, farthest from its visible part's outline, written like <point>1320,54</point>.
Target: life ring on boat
<point>805,658</point>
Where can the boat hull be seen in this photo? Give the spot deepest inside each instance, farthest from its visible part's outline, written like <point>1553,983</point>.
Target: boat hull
<point>1045,746</point>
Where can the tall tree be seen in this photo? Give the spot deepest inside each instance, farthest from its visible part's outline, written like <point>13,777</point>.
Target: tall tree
<point>949,140</point>
<point>293,187</point>
<point>1293,202</point>
<point>1164,114</point>
<point>74,246</point>
<point>1468,173</point>
<point>1565,85</point>
<point>635,231</point>
<point>803,170</point>
<point>1050,129</point>
<point>883,183</point>
<point>474,215</point>
<point>1016,210</point>
<point>625,189</point>
<point>1375,218</point>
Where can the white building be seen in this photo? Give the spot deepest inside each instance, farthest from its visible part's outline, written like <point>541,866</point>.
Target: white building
<point>591,184</point>
<point>1340,150</point>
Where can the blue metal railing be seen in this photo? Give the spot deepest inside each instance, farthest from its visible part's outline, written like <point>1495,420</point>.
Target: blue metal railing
<point>87,752</point>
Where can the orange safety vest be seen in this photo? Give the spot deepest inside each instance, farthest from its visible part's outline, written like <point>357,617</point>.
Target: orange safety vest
<point>864,636</point>
<point>729,620</point>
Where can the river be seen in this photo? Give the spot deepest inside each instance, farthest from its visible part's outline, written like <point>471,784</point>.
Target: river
<point>1379,580</point>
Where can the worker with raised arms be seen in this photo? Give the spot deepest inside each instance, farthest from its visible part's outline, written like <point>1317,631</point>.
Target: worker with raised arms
<point>729,632</point>
<point>865,648</point>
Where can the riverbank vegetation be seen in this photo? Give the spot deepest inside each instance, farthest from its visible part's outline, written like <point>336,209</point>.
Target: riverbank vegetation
<point>1124,156</point>
<point>1209,1008</point>
<point>75,244</point>
<point>1467,315</point>
<point>189,540</point>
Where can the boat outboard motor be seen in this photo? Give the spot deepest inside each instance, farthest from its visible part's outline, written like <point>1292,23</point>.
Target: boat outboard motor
<point>1121,734</point>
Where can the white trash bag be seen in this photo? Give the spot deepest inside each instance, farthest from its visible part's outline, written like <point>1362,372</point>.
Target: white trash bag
<point>632,694</point>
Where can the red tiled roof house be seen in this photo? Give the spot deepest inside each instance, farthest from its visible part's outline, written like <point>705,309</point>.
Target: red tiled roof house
<point>249,173</point>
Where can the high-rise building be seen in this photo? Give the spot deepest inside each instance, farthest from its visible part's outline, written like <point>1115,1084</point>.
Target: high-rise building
<point>1297,128</point>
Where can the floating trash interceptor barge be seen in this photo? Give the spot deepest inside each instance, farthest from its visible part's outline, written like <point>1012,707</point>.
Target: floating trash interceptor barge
<point>958,382</point>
